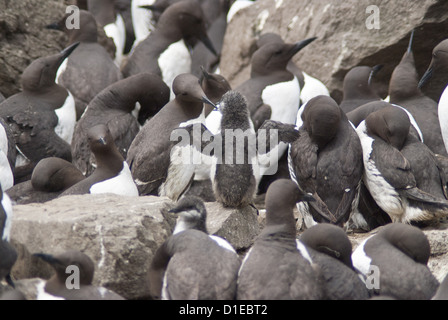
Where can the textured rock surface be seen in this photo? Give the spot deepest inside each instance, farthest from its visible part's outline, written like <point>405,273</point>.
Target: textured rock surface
<point>121,234</point>
<point>24,38</point>
<point>343,42</point>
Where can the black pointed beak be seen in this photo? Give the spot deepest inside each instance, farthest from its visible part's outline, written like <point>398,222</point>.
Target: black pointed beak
<point>152,8</point>
<point>68,51</point>
<point>207,101</point>
<point>208,44</point>
<point>411,40</point>
<point>426,76</point>
<point>374,71</point>
<point>174,211</point>
<point>102,141</point>
<point>377,69</point>
<point>54,26</point>
<point>300,45</point>
<point>307,198</point>
<point>47,258</point>
<point>205,73</point>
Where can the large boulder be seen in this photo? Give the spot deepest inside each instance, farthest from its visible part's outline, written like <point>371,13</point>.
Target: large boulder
<point>344,40</point>
<point>120,234</point>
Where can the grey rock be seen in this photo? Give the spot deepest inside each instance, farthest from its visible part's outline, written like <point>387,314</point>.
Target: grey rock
<point>344,41</point>
<point>23,37</point>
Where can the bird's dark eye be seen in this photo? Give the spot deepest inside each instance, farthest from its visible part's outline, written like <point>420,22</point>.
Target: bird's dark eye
<point>278,52</point>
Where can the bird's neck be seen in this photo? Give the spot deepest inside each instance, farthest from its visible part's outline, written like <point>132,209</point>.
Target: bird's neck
<point>110,161</point>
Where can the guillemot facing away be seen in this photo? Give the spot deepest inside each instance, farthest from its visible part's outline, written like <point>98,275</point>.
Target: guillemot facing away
<point>330,248</point>
<point>396,260</point>
<point>402,184</point>
<point>326,161</point>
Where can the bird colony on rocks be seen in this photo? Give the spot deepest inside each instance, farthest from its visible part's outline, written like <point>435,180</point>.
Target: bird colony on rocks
<point>148,112</point>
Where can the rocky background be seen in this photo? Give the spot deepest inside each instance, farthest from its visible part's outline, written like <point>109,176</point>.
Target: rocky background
<point>121,234</point>
<point>343,42</point>
<point>24,38</point>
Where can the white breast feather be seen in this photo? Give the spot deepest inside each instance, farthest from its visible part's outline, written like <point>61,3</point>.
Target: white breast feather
<point>246,257</point>
<point>213,121</point>
<point>122,184</point>
<point>360,260</point>
<point>165,295</point>
<point>180,172</point>
<point>6,175</point>
<point>304,251</point>
<point>412,119</point>
<point>7,206</point>
<point>284,99</point>
<point>43,295</point>
<point>66,119</point>
<point>312,89</point>
<point>173,61</point>
<point>3,140</point>
<point>61,70</point>
<point>299,121</point>
<point>141,20</point>
<point>117,32</point>
<point>237,6</point>
<point>443,116</point>
<point>222,243</point>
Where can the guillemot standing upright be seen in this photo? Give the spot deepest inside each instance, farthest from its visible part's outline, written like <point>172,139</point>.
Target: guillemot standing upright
<point>42,117</point>
<point>190,258</point>
<point>156,165</point>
